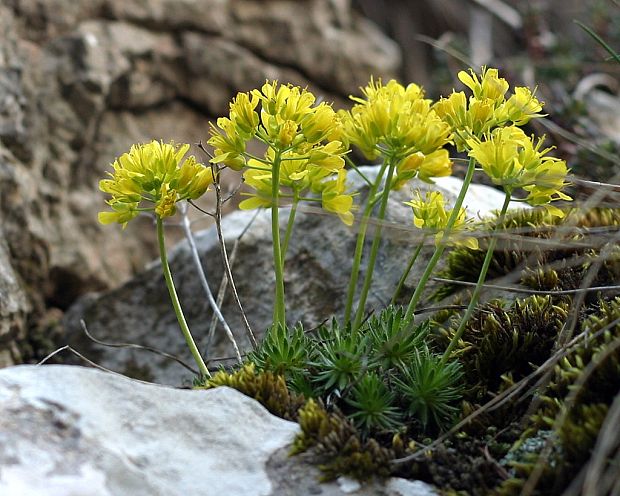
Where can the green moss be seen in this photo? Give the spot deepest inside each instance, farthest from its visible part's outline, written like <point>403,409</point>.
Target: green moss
<point>339,446</point>
<point>267,388</point>
<point>523,252</point>
<point>580,402</point>
<point>502,343</point>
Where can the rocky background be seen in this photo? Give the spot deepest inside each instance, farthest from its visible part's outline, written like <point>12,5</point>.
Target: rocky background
<point>81,80</point>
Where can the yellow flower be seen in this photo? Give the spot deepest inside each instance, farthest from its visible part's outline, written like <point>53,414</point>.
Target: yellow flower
<point>498,155</point>
<point>322,124</point>
<point>287,133</point>
<point>335,199</point>
<point>521,107</point>
<point>242,114</point>
<point>489,85</point>
<point>429,212</point>
<point>487,108</point>
<point>512,159</point>
<point>425,167</point>
<point>121,213</point>
<point>155,174</point>
<point>283,117</point>
<point>436,164</point>
<point>165,206</point>
<point>228,142</point>
<point>328,156</point>
<point>394,120</point>
<point>260,182</point>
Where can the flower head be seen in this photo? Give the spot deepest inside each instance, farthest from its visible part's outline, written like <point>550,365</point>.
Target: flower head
<point>155,175</point>
<point>488,85</point>
<point>487,108</point>
<point>395,120</point>
<point>283,117</point>
<point>430,212</point>
<point>514,160</point>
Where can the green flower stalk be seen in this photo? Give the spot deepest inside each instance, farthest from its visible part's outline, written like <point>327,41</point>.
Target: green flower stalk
<point>398,124</point>
<point>303,160</point>
<point>478,288</point>
<point>485,125</point>
<point>441,245</point>
<point>153,177</point>
<point>374,250</point>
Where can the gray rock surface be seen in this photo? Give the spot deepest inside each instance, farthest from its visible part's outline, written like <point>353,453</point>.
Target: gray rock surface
<point>73,431</point>
<point>81,80</point>
<point>317,271</point>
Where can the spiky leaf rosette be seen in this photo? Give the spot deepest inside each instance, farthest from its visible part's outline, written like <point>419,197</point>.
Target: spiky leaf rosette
<point>392,340</point>
<point>430,389</point>
<point>283,350</point>
<point>341,356</point>
<point>373,405</point>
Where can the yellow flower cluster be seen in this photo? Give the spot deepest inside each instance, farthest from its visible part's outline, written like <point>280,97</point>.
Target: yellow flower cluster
<point>488,106</point>
<point>154,175</point>
<point>300,176</point>
<point>303,140</point>
<point>513,160</point>
<point>399,123</point>
<point>429,212</point>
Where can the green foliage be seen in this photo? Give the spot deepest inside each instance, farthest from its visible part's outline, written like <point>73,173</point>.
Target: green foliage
<point>523,253</point>
<point>282,351</point>
<point>580,402</point>
<point>430,388</point>
<point>354,371</point>
<point>497,338</point>
<point>340,357</point>
<point>264,386</point>
<point>373,404</point>
<point>393,341</point>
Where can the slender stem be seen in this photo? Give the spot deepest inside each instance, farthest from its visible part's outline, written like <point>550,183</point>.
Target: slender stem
<point>203,278</point>
<point>481,278</point>
<point>279,311</point>
<point>289,226</point>
<point>403,278</point>
<point>357,169</point>
<point>224,283</point>
<point>224,253</point>
<point>374,249</point>
<point>175,301</point>
<point>359,246</point>
<point>417,294</point>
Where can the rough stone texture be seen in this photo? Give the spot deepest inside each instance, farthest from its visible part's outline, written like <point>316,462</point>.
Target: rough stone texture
<point>77,431</point>
<point>14,306</point>
<point>81,431</point>
<point>317,271</point>
<point>81,80</point>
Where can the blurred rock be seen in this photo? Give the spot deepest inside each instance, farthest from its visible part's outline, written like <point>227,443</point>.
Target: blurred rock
<point>81,80</point>
<point>318,265</point>
<point>14,306</point>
